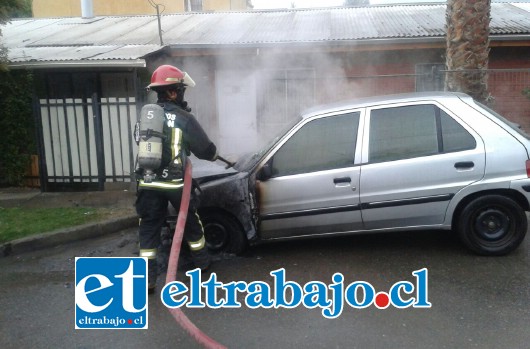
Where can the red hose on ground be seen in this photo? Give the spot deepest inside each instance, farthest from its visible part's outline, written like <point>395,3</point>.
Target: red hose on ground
<point>171,275</point>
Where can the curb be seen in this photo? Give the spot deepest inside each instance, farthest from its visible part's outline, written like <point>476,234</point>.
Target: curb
<point>72,234</point>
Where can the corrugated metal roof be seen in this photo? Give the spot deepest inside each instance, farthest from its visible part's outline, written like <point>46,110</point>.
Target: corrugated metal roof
<point>132,37</point>
<point>67,53</point>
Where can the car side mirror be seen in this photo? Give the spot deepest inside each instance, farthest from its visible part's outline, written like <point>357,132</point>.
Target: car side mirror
<point>265,172</point>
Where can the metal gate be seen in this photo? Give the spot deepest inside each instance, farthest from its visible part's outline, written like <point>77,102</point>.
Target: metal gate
<point>86,143</point>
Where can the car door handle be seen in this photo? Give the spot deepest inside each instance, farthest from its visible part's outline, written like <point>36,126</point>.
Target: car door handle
<point>342,180</point>
<point>464,165</point>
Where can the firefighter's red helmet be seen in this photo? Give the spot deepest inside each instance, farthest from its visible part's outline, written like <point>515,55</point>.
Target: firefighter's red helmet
<point>169,75</point>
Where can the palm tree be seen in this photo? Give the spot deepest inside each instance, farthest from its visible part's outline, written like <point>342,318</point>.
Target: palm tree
<point>467,24</point>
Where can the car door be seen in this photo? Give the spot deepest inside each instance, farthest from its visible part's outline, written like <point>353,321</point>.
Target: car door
<point>312,185</point>
<point>416,157</point>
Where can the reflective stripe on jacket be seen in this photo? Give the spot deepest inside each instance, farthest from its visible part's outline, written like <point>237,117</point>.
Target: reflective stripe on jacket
<point>162,185</point>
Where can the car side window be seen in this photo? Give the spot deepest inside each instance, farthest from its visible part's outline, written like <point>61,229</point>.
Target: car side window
<point>322,144</point>
<point>413,131</point>
<point>454,136</point>
<point>402,132</point>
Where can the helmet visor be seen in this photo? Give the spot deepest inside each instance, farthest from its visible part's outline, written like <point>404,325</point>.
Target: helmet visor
<point>188,81</point>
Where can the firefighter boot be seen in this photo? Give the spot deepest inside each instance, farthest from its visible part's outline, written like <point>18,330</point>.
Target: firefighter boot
<point>152,272</point>
<point>201,258</point>
<point>152,267</point>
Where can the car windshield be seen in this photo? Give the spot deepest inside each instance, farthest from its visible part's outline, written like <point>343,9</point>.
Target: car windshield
<point>247,161</point>
<point>516,127</point>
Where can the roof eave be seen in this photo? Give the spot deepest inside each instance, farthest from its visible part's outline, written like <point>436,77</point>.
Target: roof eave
<point>510,40</point>
<point>332,45</point>
<point>122,63</point>
<point>344,42</point>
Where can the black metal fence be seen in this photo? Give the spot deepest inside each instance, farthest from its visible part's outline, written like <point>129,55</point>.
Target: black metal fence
<point>85,143</point>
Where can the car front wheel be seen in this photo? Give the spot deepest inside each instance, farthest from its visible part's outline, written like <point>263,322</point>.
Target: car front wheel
<point>492,225</point>
<point>223,233</point>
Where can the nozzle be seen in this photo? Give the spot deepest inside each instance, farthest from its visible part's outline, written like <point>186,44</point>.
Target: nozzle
<point>228,163</point>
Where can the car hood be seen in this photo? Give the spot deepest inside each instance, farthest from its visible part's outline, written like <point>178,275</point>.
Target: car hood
<point>204,172</point>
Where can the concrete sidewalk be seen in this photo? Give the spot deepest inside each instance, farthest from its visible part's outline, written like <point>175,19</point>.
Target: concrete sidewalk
<point>120,201</point>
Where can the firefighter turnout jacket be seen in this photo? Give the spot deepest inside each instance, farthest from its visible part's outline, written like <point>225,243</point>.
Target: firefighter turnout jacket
<point>182,134</point>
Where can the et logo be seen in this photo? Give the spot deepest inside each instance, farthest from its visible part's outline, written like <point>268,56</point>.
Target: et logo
<point>110,293</point>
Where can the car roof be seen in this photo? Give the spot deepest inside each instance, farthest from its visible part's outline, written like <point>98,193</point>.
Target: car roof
<point>377,100</point>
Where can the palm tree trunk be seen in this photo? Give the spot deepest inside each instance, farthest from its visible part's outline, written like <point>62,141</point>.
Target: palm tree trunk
<point>467,23</point>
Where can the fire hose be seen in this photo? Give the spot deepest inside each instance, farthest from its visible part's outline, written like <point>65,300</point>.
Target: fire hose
<point>171,275</point>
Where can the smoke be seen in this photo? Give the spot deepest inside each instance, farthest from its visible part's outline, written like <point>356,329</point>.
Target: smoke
<point>245,96</point>
<point>244,99</point>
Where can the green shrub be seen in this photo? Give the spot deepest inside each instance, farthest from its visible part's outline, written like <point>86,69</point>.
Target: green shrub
<point>16,126</point>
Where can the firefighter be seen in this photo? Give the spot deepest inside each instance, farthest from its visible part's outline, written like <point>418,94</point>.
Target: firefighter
<point>181,135</point>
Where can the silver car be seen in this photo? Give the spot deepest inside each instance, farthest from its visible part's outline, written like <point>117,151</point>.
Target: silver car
<point>392,163</point>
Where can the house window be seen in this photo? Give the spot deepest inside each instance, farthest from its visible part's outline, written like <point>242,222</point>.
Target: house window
<point>430,77</point>
<point>193,5</point>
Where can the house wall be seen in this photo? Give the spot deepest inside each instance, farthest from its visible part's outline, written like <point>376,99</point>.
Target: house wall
<point>283,85</point>
<point>72,8</point>
<point>224,5</point>
<point>287,83</point>
<point>507,81</point>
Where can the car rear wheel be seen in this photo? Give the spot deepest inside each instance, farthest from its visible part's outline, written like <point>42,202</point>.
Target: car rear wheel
<point>492,225</point>
<point>223,233</point>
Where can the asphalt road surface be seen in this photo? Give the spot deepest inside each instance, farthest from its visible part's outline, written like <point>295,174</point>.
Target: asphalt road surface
<point>477,302</point>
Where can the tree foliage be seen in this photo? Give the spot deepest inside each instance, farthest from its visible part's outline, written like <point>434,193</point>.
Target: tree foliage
<point>16,122</point>
<point>14,9</point>
<point>11,9</point>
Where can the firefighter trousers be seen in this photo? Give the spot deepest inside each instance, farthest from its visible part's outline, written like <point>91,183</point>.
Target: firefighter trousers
<point>152,208</point>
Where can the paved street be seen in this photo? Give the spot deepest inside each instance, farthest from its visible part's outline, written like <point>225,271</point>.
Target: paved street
<point>477,302</point>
